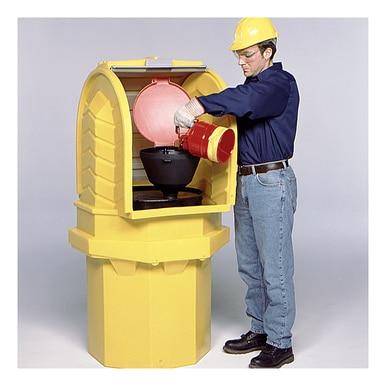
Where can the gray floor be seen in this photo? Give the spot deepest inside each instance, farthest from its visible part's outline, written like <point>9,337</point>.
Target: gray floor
<point>331,289</point>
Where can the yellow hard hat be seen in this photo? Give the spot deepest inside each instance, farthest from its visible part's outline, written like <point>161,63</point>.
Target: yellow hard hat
<point>253,30</point>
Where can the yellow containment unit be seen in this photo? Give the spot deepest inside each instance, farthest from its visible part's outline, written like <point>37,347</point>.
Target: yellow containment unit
<point>148,271</point>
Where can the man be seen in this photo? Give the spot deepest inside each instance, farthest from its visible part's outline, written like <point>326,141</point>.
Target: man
<point>266,108</point>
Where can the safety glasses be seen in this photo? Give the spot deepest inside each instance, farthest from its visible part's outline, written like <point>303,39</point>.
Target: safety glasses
<point>246,56</point>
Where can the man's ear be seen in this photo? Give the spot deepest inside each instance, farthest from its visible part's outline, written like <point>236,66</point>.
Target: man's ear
<point>267,53</point>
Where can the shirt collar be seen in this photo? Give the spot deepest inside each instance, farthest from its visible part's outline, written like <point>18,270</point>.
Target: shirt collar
<point>263,74</point>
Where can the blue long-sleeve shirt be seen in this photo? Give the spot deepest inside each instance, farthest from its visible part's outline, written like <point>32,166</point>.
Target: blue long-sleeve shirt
<point>266,107</point>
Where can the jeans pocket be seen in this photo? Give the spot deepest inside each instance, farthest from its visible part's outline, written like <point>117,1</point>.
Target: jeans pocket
<point>272,178</point>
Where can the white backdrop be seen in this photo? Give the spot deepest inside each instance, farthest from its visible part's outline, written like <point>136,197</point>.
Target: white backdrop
<point>327,56</point>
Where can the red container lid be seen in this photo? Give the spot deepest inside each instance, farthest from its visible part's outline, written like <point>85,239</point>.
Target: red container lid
<point>154,109</point>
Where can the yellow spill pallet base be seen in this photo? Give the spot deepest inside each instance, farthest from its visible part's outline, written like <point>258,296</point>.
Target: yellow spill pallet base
<point>150,318</point>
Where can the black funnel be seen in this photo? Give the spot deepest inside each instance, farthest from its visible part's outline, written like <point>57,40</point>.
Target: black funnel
<point>169,168</point>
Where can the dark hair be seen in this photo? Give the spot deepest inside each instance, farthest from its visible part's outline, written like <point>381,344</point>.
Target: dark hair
<point>271,43</point>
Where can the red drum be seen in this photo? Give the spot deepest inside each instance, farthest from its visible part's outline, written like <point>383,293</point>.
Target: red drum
<point>209,141</point>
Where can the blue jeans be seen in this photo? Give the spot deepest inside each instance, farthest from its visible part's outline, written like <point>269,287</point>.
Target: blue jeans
<point>264,215</point>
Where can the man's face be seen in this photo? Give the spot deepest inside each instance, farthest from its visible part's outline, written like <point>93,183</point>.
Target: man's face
<point>252,62</point>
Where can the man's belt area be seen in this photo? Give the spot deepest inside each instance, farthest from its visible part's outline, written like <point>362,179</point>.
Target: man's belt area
<point>245,170</point>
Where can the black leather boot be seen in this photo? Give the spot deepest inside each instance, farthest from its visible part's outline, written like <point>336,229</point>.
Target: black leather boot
<point>251,341</point>
<point>272,357</point>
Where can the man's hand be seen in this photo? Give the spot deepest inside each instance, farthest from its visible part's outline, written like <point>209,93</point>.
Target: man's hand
<point>183,118</point>
<point>186,115</point>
